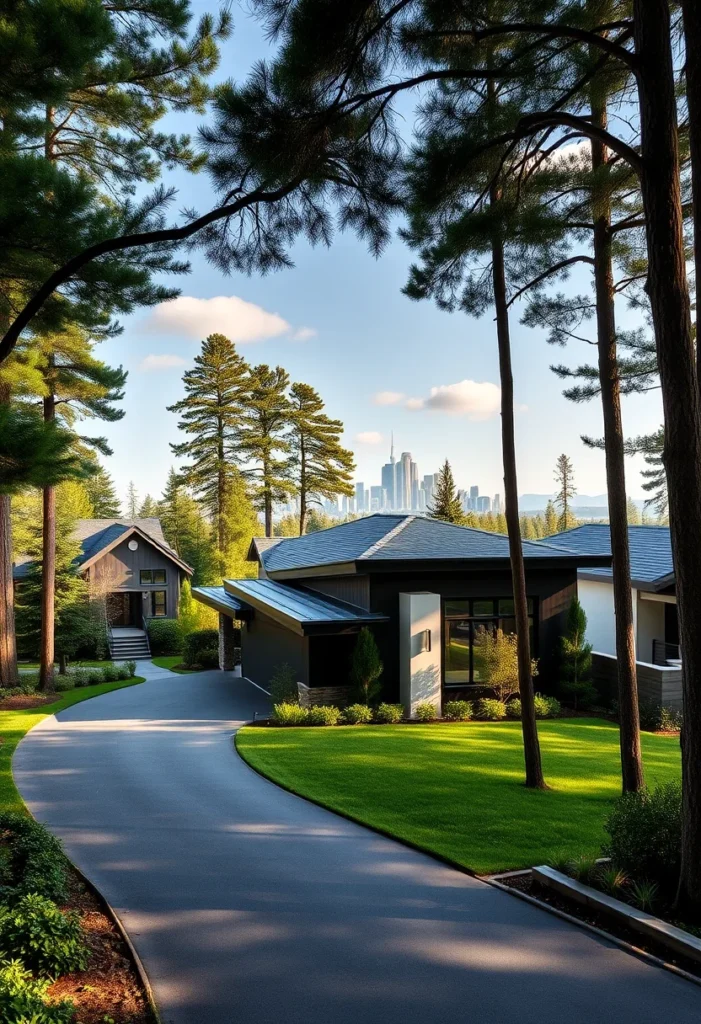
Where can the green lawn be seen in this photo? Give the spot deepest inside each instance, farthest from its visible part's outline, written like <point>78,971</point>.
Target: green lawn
<point>170,662</point>
<point>15,724</point>
<point>456,790</point>
<point>73,664</point>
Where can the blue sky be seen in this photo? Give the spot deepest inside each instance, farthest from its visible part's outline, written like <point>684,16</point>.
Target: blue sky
<point>344,327</point>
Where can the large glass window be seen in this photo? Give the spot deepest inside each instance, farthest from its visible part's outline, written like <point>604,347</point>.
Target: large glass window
<point>466,625</point>
<point>158,603</point>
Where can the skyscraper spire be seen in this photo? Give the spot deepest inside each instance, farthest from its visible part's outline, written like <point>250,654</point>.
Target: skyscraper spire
<point>391,450</point>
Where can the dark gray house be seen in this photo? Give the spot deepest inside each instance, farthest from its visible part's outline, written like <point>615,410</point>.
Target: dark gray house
<point>129,564</point>
<point>426,589</point>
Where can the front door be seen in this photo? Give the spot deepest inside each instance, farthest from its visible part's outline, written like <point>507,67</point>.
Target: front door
<point>118,609</point>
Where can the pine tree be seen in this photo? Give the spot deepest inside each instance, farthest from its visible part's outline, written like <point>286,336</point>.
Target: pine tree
<point>564,478</point>
<point>366,667</point>
<point>550,519</point>
<point>216,391</point>
<point>322,468</point>
<point>633,513</point>
<point>265,440</point>
<point>102,494</point>
<point>446,504</point>
<point>187,531</point>
<point>148,508</point>
<point>575,653</point>
<point>240,526</point>
<point>132,504</point>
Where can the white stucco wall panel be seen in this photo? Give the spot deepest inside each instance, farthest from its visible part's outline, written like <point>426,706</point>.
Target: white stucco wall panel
<point>419,670</point>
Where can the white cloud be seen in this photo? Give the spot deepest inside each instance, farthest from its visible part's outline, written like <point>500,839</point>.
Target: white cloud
<point>388,397</point>
<point>161,362</point>
<point>239,320</point>
<point>304,334</point>
<point>476,400</point>
<point>369,437</point>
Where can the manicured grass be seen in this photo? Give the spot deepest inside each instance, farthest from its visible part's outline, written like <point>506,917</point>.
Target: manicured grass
<point>174,663</point>
<point>73,664</point>
<point>456,790</point>
<point>15,724</point>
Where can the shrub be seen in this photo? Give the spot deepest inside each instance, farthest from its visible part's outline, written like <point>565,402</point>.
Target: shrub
<point>670,720</point>
<point>36,862</point>
<point>283,684</point>
<point>131,666</point>
<point>23,998</point>
<point>63,683</point>
<point>46,939</point>
<point>95,676</point>
<point>496,659</point>
<point>654,717</point>
<point>489,709</point>
<point>513,708</point>
<point>366,667</point>
<point>389,713</point>
<point>457,710</point>
<point>165,636</point>
<point>209,657</point>
<point>546,707</point>
<point>425,711</point>
<point>290,714</point>
<point>81,676</point>
<point>357,714</point>
<point>123,672</point>
<point>110,674</point>
<point>575,658</point>
<point>644,831</point>
<point>585,869</point>
<point>197,642</point>
<point>324,714</point>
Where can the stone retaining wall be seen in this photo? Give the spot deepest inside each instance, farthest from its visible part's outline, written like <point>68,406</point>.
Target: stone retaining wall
<point>309,696</point>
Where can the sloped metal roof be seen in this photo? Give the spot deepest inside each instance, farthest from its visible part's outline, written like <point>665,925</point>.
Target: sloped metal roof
<point>395,538</point>
<point>650,551</point>
<point>296,607</point>
<point>218,598</point>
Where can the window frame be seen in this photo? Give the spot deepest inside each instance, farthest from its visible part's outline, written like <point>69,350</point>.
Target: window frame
<point>152,582</point>
<point>494,619</point>
<point>154,614</point>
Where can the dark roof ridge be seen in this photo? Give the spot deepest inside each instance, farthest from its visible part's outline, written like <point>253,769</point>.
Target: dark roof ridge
<point>389,536</point>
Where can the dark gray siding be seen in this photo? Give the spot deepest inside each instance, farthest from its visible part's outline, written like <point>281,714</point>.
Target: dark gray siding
<point>552,589</point>
<point>119,570</point>
<point>265,645</point>
<point>351,589</point>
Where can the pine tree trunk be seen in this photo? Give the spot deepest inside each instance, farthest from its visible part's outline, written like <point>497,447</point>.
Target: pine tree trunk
<point>629,717</point>
<point>692,35</point>
<point>531,746</point>
<point>48,573</point>
<point>267,500</point>
<point>671,313</point>
<point>302,488</point>
<point>8,643</point>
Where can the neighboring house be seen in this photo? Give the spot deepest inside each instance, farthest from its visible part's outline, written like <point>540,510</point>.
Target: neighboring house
<point>655,622</point>
<point>426,588</point>
<point>129,564</point>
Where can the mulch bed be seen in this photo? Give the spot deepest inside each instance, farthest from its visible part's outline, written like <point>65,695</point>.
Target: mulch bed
<point>25,701</point>
<point>110,989</point>
<point>525,883</point>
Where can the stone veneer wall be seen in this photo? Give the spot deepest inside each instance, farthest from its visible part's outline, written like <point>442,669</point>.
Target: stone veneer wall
<point>658,684</point>
<point>314,695</point>
<point>229,654</point>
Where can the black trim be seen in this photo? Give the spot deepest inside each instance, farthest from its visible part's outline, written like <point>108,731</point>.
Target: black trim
<point>493,617</point>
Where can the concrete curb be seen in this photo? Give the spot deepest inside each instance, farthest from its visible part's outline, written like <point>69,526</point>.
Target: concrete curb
<point>117,922</point>
<point>641,954</point>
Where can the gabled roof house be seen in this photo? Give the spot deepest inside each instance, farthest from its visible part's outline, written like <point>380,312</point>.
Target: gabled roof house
<point>425,588</point>
<point>129,562</point>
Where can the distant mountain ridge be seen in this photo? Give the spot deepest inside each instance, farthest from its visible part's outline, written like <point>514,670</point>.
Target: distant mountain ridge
<point>586,504</point>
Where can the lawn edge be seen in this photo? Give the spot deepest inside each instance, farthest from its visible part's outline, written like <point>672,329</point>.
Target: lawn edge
<point>351,817</point>
<point>627,947</point>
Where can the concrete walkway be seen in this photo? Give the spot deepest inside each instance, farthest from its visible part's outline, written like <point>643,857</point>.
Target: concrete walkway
<point>250,905</point>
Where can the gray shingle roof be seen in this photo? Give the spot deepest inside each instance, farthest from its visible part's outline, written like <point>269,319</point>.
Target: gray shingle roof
<point>297,606</point>
<point>396,538</point>
<point>96,534</point>
<point>650,550</point>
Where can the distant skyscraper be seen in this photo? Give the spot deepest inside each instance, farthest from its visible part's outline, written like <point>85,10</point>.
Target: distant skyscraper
<point>405,492</point>
<point>376,499</point>
<point>366,501</point>
<point>414,486</point>
<point>389,477</point>
<point>360,497</point>
<point>428,485</point>
<point>483,503</point>
<point>496,503</point>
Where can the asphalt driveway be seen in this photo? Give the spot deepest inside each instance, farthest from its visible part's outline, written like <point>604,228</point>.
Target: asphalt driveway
<point>251,906</point>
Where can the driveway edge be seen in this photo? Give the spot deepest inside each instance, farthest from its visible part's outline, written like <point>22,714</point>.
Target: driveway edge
<point>640,954</point>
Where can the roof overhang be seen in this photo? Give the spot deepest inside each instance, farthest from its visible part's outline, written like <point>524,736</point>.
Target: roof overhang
<point>649,586</point>
<point>220,601</point>
<point>125,536</point>
<point>306,627</point>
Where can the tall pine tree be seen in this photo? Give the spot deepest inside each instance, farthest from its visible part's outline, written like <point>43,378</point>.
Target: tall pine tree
<point>103,494</point>
<point>322,467</point>
<point>566,490</point>
<point>265,440</point>
<point>446,504</point>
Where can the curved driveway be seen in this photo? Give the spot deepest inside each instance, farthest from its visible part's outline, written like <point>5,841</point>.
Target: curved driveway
<point>250,905</point>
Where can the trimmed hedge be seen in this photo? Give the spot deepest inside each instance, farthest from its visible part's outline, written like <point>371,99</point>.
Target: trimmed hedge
<point>357,714</point>
<point>490,710</point>
<point>457,710</point>
<point>389,713</point>
<point>425,711</point>
<point>201,642</point>
<point>165,636</point>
